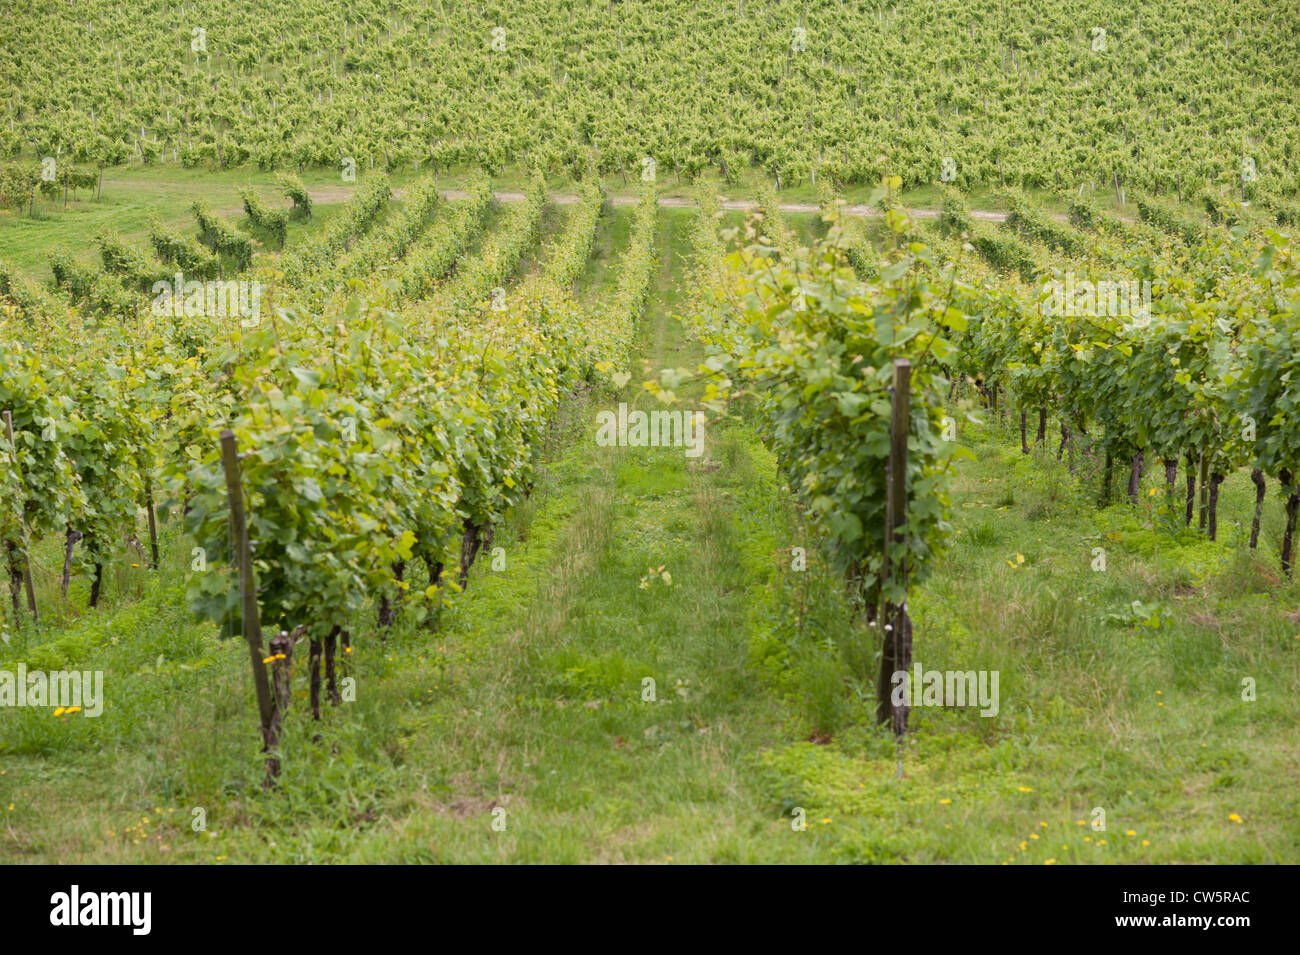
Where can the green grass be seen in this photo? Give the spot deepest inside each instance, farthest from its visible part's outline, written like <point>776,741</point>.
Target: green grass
<point>613,233</point>
<point>129,197</point>
<point>1147,724</point>
<point>554,218</point>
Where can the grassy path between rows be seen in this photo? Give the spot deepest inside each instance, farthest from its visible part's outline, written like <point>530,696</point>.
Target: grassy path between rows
<point>552,731</point>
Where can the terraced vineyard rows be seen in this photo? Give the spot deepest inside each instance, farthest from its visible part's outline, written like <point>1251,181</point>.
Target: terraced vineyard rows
<point>612,433</point>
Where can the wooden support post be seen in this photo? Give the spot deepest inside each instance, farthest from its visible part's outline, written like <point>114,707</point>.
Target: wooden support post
<point>27,544</point>
<point>331,681</point>
<point>1292,492</point>
<point>896,653</point>
<point>282,661</point>
<point>70,538</point>
<point>1135,478</point>
<point>153,521</point>
<point>1205,489</point>
<point>247,584</point>
<point>1257,477</point>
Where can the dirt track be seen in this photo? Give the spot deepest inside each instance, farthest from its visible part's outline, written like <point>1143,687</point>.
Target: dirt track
<point>335,194</point>
<point>680,203</point>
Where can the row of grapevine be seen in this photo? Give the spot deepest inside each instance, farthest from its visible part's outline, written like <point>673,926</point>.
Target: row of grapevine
<point>316,256</point>
<point>294,189</point>
<point>566,256</point>
<point>186,254</point>
<point>92,290</point>
<point>1175,378</point>
<point>137,270</point>
<point>274,222</point>
<point>29,300</point>
<point>1031,222</point>
<point>813,347</point>
<point>222,237</point>
<point>775,226</point>
<point>173,346</point>
<point>88,431</point>
<point>347,491</point>
<point>708,255</point>
<point>500,253</point>
<point>432,259</point>
<point>404,434</point>
<point>390,242</point>
<point>612,328</point>
<point>1200,375</point>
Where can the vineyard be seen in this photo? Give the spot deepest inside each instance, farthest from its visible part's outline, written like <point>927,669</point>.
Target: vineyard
<point>612,432</point>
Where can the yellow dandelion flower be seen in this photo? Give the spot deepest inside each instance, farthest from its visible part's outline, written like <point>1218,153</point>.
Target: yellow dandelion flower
<point>1033,835</point>
<point>1130,832</point>
<point>1234,817</point>
<point>60,711</point>
<point>1145,842</point>
<point>944,802</point>
<point>1049,862</point>
<point>1020,558</point>
<point>1043,824</point>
